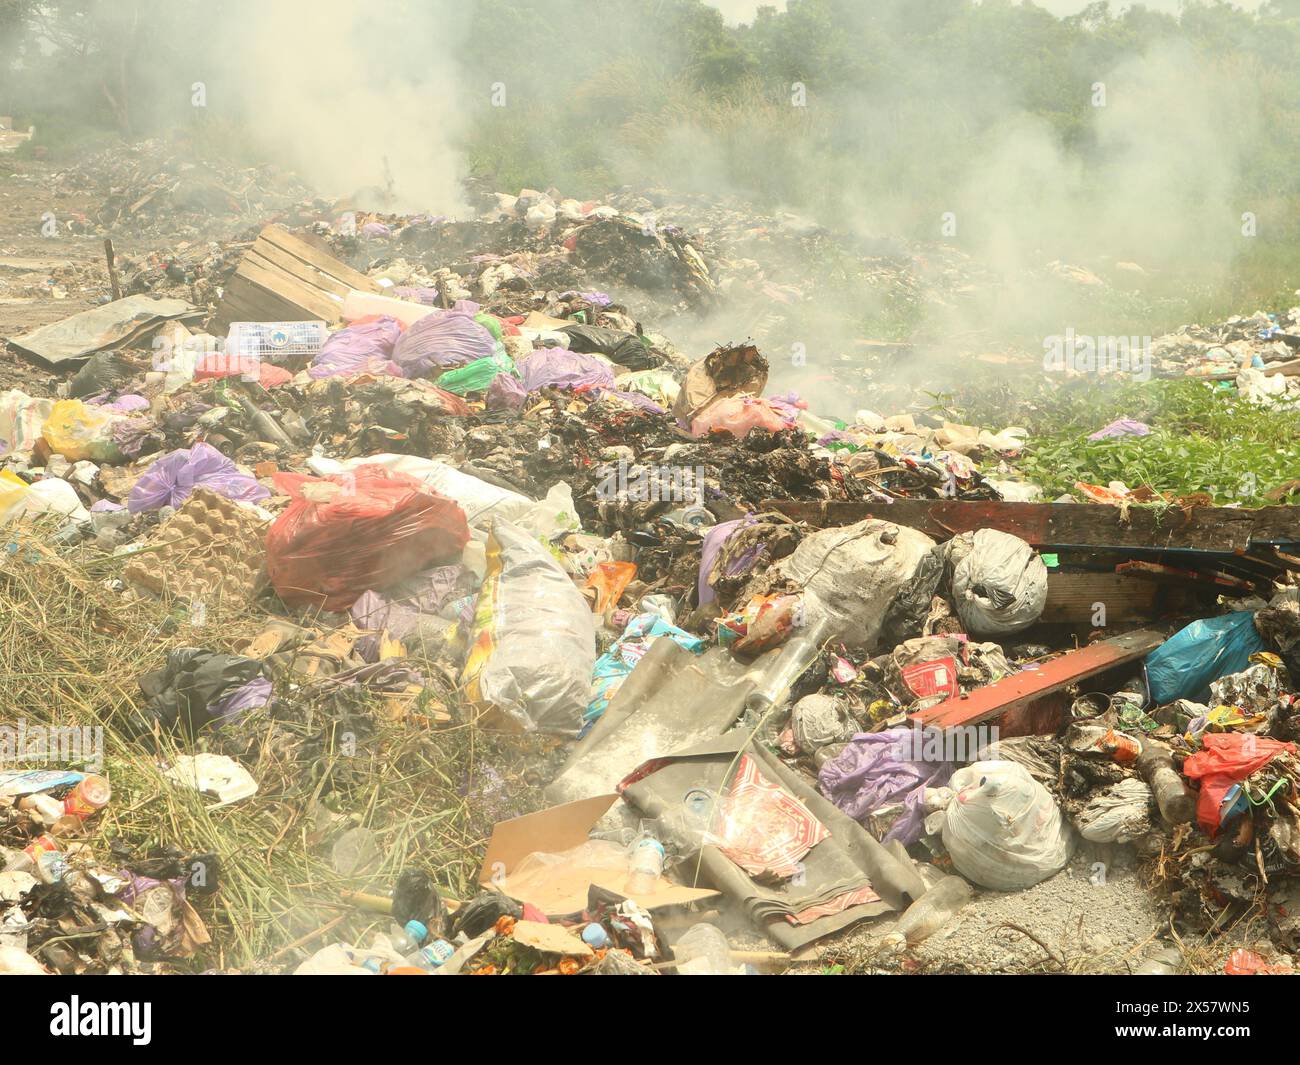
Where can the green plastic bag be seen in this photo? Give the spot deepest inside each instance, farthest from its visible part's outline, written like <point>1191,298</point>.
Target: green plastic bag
<point>477,375</point>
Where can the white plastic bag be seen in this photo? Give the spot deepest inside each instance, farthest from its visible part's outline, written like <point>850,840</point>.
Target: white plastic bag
<point>999,583</point>
<point>1120,813</point>
<point>534,643</point>
<point>850,575</point>
<point>1002,828</point>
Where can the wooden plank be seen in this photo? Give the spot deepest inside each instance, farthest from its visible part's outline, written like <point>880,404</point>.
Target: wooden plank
<point>319,259</point>
<point>1066,525</point>
<point>1072,598</point>
<point>1286,369</point>
<point>283,277</point>
<point>1021,689</point>
<point>1160,574</point>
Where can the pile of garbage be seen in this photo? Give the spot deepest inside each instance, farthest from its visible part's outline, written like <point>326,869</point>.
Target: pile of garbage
<point>778,675</point>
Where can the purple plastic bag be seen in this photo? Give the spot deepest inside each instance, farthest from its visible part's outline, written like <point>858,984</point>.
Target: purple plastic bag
<point>251,694</point>
<point>427,296</point>
<point>877,769</point>
<point>637,399</point>
<point>170,480</point>
<point>366,347</point>
<point>505,393</point>
<point>713,541</point>
<point>562,368</point>
<point>1122,427</point>
<point>443,340</point>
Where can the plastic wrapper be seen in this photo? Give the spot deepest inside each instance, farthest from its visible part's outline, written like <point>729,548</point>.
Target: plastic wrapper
<point>613,667</point>
<point>534,641</point>
<point>366,529</point>
<point>999,583</point>
<point>442,340</point>
<point>1002,828</point>
<point>1184,666</point>
<point>364,347</point>
<point>609,580</point>
<point>170,480</point>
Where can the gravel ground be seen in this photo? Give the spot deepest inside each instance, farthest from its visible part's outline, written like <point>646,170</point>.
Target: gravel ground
<point>1095,916</point>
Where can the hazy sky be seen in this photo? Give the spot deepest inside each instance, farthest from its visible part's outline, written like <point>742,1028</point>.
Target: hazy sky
<point>743,10</point>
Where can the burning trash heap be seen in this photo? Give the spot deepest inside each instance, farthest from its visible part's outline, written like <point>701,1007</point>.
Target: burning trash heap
<point>377,544</point>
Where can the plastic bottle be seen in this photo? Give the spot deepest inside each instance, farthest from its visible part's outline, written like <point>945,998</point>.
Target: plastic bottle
<point>432,956</point>
<point>934,909</point>
<point>88,797</point>
<point>26,860</point>
<point>408,938</point>
<point>703,951</point>
<point>645,865</point>
<point>796,656</point>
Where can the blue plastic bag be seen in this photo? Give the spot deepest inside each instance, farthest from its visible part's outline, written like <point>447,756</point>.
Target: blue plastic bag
<point>1185,664</point>
<point>613,667</point>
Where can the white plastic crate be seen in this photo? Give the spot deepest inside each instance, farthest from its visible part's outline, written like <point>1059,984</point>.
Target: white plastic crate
<point>274,342</point>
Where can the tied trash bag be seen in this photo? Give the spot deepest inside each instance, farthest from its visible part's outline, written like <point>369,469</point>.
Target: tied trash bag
<point>1120,813</point>
<point>1184,666</point>
<point>442,340</point>
<point>364,347</point>
<point>558,368</point>
<point>1002,828</point>
<point>534,642</point>
<point>999,584</point>
<point>367,529</point>
<point>172,478</point>
<point>851,575</point>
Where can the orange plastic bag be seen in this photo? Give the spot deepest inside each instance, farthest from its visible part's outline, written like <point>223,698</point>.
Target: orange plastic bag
<point>610,580</point>
<point>346,534</point>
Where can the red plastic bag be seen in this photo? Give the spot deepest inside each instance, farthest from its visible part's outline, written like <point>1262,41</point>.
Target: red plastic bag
<point>1242,962</point>
<point>1226,758</point>
<point>352,532</point>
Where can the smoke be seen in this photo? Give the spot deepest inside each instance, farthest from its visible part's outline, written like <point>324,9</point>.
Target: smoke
<point>353,95</point>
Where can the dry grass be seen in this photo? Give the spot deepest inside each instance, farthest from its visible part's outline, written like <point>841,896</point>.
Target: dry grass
<point>71,652</point>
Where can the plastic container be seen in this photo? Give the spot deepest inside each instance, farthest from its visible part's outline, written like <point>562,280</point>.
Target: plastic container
<point>433,956</point>
<point>645,865</point>
<point>88,797</point>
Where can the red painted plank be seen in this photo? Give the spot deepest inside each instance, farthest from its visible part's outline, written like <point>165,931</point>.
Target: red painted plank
<point>1024,687</point>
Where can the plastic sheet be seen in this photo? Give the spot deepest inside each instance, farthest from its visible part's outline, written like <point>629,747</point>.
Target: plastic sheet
<point>367,529</point>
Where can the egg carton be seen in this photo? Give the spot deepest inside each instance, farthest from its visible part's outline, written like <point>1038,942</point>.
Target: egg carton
<point>212,551</point>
